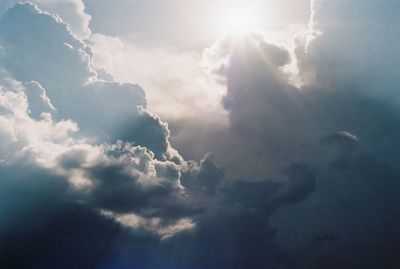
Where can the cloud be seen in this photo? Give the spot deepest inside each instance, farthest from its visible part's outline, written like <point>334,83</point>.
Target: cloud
<point>51,103</point>
<point>264,107</point>
<point>55,187</point>
<point>175,84</point>
<point>71,83</point>
<point>233,232</point>
<point>341,122</point>
<point>112,166</point>
<point>350,77</point>
<point>38,100</point>
<point>70,11</point>
<point>120,177</point>
<point>204,177</point>
<point>360,26</point>
<point>81,150</point>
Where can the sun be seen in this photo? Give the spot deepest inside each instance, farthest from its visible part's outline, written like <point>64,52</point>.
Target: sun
<point>240,19</point>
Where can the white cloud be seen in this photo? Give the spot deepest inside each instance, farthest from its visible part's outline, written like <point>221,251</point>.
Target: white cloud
<point>38,127</point>
<point>70,11</point>
<point>174,81</point>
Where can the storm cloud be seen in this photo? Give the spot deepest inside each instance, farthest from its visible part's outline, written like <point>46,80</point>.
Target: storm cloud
<point>304,175</point>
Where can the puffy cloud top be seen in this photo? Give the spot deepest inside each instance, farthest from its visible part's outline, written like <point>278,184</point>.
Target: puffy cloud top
<point>309,177</point>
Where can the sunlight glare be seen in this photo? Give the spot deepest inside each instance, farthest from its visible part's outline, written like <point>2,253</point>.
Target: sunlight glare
<point>240,19</point>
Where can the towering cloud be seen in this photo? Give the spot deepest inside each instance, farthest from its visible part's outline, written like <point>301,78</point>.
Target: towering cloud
<point>78,151</point>
<point>342,121</point>
<point>89,179</point>
<point>61,150</point>
<point>70,11</point>
<point>61,64</point>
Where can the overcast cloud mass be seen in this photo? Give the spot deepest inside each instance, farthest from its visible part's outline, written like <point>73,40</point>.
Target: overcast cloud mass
<point>138,134</point>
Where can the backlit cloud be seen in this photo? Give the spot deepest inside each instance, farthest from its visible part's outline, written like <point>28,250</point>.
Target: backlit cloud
<point>302,175</point>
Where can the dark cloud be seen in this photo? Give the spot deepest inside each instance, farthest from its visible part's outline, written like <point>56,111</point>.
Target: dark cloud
<point>234,231</point>
<point>309,177</point>
<point>69,185</point>
<point>351,83</point>
<point>41,229</point>
<point>204,177</point>
<point>342,122</point>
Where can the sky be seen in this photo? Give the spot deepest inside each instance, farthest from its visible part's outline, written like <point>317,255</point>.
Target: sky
<point>172,134</point>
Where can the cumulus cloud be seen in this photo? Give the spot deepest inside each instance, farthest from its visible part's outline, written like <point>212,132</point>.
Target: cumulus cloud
<point>70,11</point>
<point>119,177</point>
<point>54,150</point>
<point>176,86</point>
<point>341,121</point>
<point>89,149</point>
<point>81,150</point>
<point>71,83</point>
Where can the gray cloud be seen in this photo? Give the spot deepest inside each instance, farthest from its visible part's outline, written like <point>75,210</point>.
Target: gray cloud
<point>299,163</point>
<point>342,122</point>
<point>58,118</point>
<point>61,63</point>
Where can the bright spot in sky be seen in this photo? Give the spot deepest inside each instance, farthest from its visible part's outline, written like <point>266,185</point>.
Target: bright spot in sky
<point>240,18</point>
